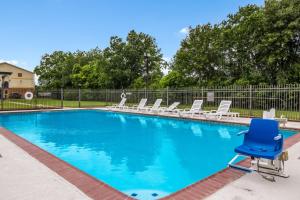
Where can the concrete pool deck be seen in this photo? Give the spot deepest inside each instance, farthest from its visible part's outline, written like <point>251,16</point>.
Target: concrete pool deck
<point>24,176</point>
<point>253,186</point>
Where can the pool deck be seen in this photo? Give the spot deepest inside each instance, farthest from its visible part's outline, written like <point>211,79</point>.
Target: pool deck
<point>253,186</point>
<point>28,172</point>
<point>23,177</point>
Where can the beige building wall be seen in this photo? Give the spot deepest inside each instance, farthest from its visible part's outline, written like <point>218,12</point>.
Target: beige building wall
<point>20,78</point>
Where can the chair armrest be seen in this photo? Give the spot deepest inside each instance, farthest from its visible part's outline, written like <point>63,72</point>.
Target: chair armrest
<point>243,132</point>
<point>278,137</point>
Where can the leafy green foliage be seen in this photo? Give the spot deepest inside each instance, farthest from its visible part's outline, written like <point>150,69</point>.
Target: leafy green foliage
<point>256,45</point>
<point>253,46</point>
<point>135,62</point>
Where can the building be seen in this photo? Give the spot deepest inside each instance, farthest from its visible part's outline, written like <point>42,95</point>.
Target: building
<point>15,81</point>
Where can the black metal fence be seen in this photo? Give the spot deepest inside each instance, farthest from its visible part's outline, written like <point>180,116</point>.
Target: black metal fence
<point>248,100</point>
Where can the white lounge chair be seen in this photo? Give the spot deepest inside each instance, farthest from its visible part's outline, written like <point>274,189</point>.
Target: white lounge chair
<point>223,110</point>
<point>195,109</point>
<point>140,106</point>
<point>272,115</point>
<point>121,105</point>
<point>154,108</point>
<point>171,108</point>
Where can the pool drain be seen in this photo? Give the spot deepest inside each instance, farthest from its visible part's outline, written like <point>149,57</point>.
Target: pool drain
<point>154,194</point>
<point>134,194</point>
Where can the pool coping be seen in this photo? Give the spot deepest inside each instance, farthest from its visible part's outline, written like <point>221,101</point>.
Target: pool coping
<point>213,183</point>
<point>97,189</point>
<point>89,185</point>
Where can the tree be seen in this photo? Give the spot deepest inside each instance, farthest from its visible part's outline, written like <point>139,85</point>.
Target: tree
<point>241,33</point>
<point>174,79</point>
<point>55,69</point>
<point>144,58</point>
<point>280,46</point>
<point>198,58</point>
<point>253,46</point>
<point>121,65</point>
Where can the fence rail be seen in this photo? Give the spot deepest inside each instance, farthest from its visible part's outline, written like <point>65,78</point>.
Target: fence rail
<point>250,100</point>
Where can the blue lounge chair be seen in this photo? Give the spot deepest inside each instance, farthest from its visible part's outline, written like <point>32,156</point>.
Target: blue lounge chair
<point>261,142</point>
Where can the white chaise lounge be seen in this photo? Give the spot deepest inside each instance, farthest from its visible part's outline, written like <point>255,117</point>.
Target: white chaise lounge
<point>121,105</point>
<point>154,108</point>
<point>195,109</point>
<point>223,110</point>
<point>171,108</point>
<point>272,115</point>
<point>140,106</point>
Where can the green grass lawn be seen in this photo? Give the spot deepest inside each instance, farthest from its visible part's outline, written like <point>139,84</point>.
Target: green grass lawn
<point>19,104</point>
<point>45,103</point>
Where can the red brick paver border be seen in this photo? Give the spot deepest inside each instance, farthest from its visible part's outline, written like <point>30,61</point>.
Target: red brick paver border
<point>96,189</point>
<point>213,183</point>
<point>89,185</point>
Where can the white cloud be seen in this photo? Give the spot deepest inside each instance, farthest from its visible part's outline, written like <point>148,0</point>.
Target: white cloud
<point>185,30</point>
<point>13,62</point>
<point>21,64</point>
<point>36,79</point>
<point>167,59</point>
<point>166,70</point>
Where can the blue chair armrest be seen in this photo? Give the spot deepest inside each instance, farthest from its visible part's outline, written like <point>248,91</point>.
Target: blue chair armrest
<point>278,137</point>
<point>243,132</point>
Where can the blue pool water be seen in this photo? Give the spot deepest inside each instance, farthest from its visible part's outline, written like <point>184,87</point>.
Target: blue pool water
<point>132,153</point>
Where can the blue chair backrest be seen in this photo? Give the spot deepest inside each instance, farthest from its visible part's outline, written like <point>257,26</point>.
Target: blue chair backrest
<point>263,131</point>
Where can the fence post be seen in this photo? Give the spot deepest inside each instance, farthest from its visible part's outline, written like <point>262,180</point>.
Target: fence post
<point>35,100</point>
<point>250,99</point>
<point>62,98</point>
<point>79,97</point>
<point>186,96</point>
<point>2,97</point>
<point>168,96</point>
<point>105,96</point>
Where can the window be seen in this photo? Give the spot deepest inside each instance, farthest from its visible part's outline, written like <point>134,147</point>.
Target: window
<point>20,74</point>
<point>5,84</point>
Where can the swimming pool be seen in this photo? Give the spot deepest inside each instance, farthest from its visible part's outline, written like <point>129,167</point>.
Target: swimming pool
<point>139,155</point>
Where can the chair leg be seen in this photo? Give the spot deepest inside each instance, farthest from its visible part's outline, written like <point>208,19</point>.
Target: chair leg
<point>270,167</point>
<point>238,167</point>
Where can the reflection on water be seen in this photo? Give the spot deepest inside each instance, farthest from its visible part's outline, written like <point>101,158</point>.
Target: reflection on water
<point>196,129</point>
<point>224,133</point>
<point>131,152</point>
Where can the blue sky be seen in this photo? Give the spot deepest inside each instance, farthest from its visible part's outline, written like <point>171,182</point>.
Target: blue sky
<point>33,27</point>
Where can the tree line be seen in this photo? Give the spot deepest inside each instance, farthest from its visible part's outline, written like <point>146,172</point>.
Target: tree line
<point>256,45</point>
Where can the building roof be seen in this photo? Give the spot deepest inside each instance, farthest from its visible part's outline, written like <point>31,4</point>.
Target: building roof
<point>16,67</point>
